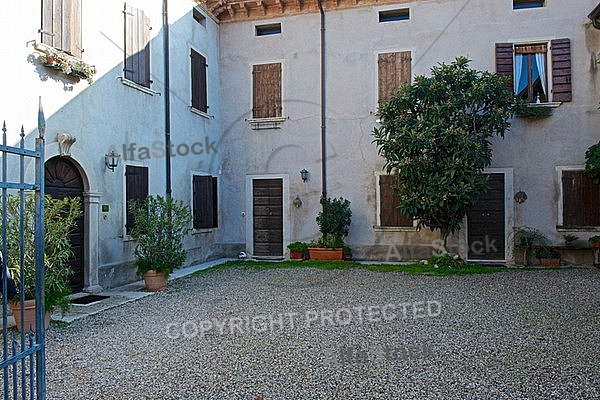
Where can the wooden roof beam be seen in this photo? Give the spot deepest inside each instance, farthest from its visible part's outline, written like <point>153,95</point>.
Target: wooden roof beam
<point>280,4</point>
<point>262,5</point>
<point>299,5</point>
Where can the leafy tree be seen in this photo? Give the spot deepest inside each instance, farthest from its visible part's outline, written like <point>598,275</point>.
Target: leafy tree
<point>435,135</point>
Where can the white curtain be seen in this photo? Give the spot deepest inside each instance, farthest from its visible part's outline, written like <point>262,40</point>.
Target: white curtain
<point>519,86</point>
<point>540,59</point>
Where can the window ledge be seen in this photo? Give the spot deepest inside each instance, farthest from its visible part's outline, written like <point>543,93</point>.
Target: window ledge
<point>200,231</point>
<point>549,104</point>
<point>137,86</point>
<point>199,112</point>
<point>266,123</point>
<point>560,228</point>
<point>378,228</point>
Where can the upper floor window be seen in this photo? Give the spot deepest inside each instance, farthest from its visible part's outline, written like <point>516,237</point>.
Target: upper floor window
<point>394,69</point>
<point>401,14</point>
<point>199,90</point>
<point>137,46</point>
<point>268,29</point>
<point>266,90</point>
<point>519,4</point>
<point>530,67</point>
<point>61,25</point>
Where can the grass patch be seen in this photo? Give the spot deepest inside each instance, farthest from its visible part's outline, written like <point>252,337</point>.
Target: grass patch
<point>412,269</point>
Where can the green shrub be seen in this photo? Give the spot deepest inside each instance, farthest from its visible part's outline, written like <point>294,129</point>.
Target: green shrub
<point>334,222</point>
<point>446,260</point>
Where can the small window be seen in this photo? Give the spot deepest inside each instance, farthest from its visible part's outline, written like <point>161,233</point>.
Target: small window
<point>520,4</point>
<point>390,215</point>
<point>402,14</point>
<point>205,202</point>
<point>199,17</point>
<point>270,29</point>
<point>581,200</point>
<point>136,189</point>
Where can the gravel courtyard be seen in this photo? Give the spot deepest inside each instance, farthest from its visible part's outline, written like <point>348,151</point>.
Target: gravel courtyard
<point>342,334</point>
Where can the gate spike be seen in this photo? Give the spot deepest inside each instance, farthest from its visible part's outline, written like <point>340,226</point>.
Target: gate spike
<point>41,120</point>
<point>22,132</point>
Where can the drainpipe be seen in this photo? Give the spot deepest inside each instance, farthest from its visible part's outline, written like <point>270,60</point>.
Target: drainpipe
<point>167,91</point>
<point>323,142</point>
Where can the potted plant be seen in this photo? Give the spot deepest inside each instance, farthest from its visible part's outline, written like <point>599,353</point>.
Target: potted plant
<point>569,239</point>
<point>64,62</point>
<point>595,240</point>
<point>298,250</point>
<point>334,224</point>
<point>548,256</point>
<point>527,239</point>
<point>60,218</point>
<point>347,253</point>
<point>160,224</point>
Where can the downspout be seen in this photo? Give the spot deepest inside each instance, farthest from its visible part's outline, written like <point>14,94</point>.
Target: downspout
<point>167,98</point>
<point>323,141</point>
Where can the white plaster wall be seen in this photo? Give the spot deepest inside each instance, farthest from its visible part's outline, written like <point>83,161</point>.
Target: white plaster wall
<point>436,32</point>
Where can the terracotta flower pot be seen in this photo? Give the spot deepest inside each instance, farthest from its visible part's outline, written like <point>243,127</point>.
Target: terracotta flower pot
<point>550,262</point>
<point>596,244</point>
<point>155,281</point>
<point>325,254</point>
<point>296,254</point>
<point>29,308</point>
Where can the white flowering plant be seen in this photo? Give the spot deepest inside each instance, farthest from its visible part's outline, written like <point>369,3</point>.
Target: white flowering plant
<point>68,64</point>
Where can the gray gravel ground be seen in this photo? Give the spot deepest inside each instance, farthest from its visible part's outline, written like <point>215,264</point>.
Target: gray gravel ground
<point>344,334</point>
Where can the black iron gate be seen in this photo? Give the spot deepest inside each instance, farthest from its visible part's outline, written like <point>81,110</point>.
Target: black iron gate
<point>22,357</point>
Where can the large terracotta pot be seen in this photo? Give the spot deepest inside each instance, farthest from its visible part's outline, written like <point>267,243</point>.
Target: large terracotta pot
<point>296,254</point>
<point>155,281</point>
<point>325,254</point>
<point>15,307</point>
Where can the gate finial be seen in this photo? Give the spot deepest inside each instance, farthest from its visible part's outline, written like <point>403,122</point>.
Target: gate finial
<point>41,120</point>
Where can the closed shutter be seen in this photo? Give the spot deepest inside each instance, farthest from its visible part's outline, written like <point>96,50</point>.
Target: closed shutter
<point>204,202</point>
<point>390,213</point>
<point>136,188</point>
<point>266,86</point>
<point>561,69</point>
<point>137,46</point>
<point>581,200</point>
<point>504,63</point>
<point>199,98</point>
<point>61,25</point>
<point>394,69</point>
<point>215,203</point>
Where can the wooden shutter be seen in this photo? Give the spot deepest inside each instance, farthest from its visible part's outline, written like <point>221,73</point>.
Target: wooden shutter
<point>205,207</point>
<point>61,25</point>
<point>266,86</point>
<point>215,203</point>
<point>561,69</point>
<point>581,200</point>
<point>137,46</point>
<point>390,213</point>
<point>504,63</point>
<point>136,188</point>
<point>199,98</point>
<point>394,69</point>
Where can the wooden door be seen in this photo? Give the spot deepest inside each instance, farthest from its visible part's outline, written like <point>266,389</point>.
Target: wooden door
<point>62,179</point>
<point>486,223</point>
<point>268,217</point>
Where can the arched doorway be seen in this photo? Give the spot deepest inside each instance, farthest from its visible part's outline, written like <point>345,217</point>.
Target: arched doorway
<point>62,179</point>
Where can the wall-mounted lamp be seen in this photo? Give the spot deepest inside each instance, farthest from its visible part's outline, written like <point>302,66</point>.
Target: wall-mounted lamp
<point>304,175</point>
<point>111,160</point>
<point>297,202</point>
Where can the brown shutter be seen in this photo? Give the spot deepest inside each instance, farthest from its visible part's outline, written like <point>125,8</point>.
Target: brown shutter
<point>136,188</point>
<point>137,46</point>
<point>215,204</point>
<point>394,69</point>
<point>581,200</point>
<point>199,100</point>
<point>61,25</point>
<point>390,213</point>
<point>504,63</point>
<point>561,69</point>
<point>203,202</point>
<point>266,86</point>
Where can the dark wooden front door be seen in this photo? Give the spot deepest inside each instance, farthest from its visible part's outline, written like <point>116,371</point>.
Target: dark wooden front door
<point>268,217</point>
<point>486,223</point>
<point>62,179</point>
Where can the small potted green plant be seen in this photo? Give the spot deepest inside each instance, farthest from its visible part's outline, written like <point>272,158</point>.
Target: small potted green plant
<point>334,224</point>
<point>548,256</point>
<point>60,218</point>
<point>347,253</point>
<point>527,239</point>
<point>160,227</point>
<point>298,250</point>
<point>569,240</point>
<point>595,240</point>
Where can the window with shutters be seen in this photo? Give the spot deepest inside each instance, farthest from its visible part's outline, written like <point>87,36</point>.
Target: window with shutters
<point>266,91</point>
<point>136,46</point>
<point>61,25</point>
<point>580,200</point>
<point>205,202</point>
<point>538,72</point>
<point>198,79</point>
<point>136,189</point>
<point>394,69</point>
<point>389,213</point>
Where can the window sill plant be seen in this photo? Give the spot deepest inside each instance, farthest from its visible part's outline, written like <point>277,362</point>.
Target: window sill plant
<point>66,63</point>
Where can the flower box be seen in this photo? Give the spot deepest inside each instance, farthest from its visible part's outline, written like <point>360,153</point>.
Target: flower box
<point>325,254</point>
